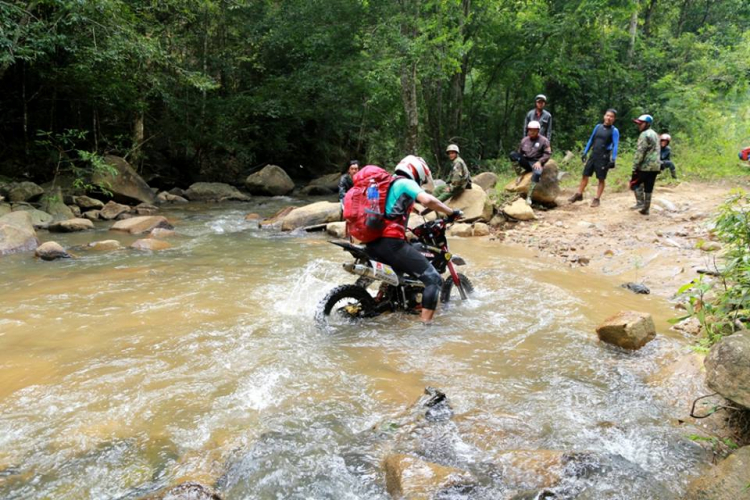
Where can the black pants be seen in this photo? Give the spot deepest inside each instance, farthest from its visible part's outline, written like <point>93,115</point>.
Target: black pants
<point>669,165</point>
<point>648,179</point>
<point>526,163</point>
<point>404,258</point>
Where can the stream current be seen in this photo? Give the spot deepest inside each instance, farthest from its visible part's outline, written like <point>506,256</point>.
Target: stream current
<point>125,372</point>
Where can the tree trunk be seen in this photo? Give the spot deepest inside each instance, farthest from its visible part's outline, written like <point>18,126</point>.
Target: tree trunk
<point>409,97</point>
<point>138,138</point>
<point>647,18</point>
<point>683,17</point>
<point>633,31</point>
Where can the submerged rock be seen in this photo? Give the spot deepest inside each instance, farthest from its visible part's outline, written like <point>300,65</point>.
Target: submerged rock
<point>105,245</point>
<point>639,288</point>
<point>728,367</point>
<point>150,244</point>
<point>17,233</point>
<point>51,250</point>
<point>627,329</point>
<point>727,481</point>
<point>410,477</point>
<point>542,468</point>
<point>142,224</point>
<point>272,180</point>
<point>161,233</point>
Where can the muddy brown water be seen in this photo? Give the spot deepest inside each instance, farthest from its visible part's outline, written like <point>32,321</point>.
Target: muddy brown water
<point>124,372</point>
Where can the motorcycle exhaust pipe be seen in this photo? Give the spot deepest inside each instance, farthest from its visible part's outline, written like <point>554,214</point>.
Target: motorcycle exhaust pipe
<point>383,273</point>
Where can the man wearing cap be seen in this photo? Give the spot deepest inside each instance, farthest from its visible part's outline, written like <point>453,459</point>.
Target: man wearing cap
<point>460,176</point>
<point>346,181</point>
<point>533,152</point>
<point>666,154</point>
<point>539,114</point>
<point>645,164</point>
<point>602,144</point>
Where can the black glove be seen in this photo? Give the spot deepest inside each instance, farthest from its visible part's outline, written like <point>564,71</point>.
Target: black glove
<point>583,158</point>
<point>457,214</point>
<point>611,164</point>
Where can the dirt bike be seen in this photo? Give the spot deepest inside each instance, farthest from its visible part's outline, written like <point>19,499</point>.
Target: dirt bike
<point>397,291</point>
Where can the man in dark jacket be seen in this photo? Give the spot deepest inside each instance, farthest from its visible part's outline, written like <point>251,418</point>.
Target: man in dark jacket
<point>533,152</point>
<point>666,155</point>
<point>540,115</point>
<point>346,182</point>
<point>602,145</point>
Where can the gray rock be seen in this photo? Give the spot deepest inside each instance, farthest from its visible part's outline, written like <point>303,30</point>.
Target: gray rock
<point>519,210</point>
<point>143,224</point>
<point>727,481</point>
<point>337,229</point>
<point>24,191</point>
<point>460,229</point>
<point>728,367</point>
<point>639,288</point>
<point>38,218</point>
<point>546,191</point>
<point>321,212</point>
<point>53,204</point>
<point>91,215</point>
<point>272,180</point>
<point>326,184</point>
<point>627,329</point>
<point>112,210</point>
<point>146,209</point>
<point>17,233</point>
<point>214,191</point>
<point>486,180</point>
<point>165,197</point>
<point>474,203</point>
<point>87,203</point>
<point>177,192</point>
<point>75,209</point>
<point>5,209</point>
<point>71,226</point>
<point>105,245</point>
<point>51,250</point>
<point>481,229</point>
<point>150,244</point>
<point>126,186</point>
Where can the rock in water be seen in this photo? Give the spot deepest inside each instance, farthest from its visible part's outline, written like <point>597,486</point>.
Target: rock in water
<point>71,226</point>
<point>639,288</point>
<point>727,481</point>
<point>105,245</point>
<point>728,367</point>
<point>481,229</point>
<point>627,329</point>
<point>214,191</point>
<point>53,204</point>
<point>327,184</point>
<point>87,203</point>
<point>321,212</point>
<point>150,244</point>
<point>460,229</point>
<point>337,229</point>
<point>410,477</point>
<point>51,250</point>
<point>486,180</point>
<point>519,210</point>
<point>126,186</point>
<point>143,224</point>
<point>272,180</point>
<point>474,203</point>
<point>17,233</point>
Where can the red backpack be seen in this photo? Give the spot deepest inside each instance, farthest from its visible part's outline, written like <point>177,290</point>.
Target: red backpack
<point>362,223</point>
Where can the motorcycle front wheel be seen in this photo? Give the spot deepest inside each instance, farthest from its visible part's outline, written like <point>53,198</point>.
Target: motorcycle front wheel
<point>449,290</point>
<point>343,305</point>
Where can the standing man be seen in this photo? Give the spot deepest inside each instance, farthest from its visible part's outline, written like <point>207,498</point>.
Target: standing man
<point>346,182</point>
<point>645,164</point>
<point>666,154</point>
<point>460,176</point>
<point>533,152</point>
<point>539,114</point>
<point>603,144</point>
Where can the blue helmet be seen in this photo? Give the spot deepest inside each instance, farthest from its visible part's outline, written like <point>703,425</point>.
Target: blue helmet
<point>644,119</point>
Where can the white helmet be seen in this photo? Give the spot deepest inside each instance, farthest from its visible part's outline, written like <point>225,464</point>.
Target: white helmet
<point>533,124</point>
<point>452,147</point>
<point>415,168</point>
<point>665,137</point>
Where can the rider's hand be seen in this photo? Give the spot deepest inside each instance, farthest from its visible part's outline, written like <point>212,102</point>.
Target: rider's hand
<point>457,214</point>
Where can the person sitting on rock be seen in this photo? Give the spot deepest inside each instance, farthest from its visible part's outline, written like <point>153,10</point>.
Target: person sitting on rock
<point>666,155</point>
<point>533,152</point>
<point>603,144</point>
<point>460,176</point>
<point>346,182</point>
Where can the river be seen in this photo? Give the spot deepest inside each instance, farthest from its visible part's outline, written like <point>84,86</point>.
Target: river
<point>124,372</point>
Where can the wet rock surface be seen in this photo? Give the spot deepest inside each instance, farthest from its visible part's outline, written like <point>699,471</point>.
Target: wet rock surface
<point>143,224</point>
<point>627,329</point>
<point>272,181</point>
<point>112,210</point>
<point>17,233</point>
<point>729,480</point>
<point>71,226</point>
<point>728,367</point>
<point>186,491</point>
<point>321,212</point>
<point>214,191</point>
<point>51,250</point>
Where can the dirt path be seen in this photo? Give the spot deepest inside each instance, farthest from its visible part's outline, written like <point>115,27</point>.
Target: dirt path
<point>659,250</point>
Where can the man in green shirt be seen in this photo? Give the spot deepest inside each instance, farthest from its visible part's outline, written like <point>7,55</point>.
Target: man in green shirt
<point>460,176</point>
<point>645,164</point>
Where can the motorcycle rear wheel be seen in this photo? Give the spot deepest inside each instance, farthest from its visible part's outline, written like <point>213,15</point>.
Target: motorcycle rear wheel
<point>345,304</point>
<point>449,287</point>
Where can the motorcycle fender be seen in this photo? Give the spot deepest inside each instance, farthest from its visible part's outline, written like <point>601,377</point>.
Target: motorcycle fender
<point>458,260</point>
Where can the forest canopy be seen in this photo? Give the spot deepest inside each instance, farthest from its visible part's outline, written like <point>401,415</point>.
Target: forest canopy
<point>212,90</point>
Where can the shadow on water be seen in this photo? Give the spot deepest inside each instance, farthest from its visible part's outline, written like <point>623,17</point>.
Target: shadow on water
<point>121,373</point>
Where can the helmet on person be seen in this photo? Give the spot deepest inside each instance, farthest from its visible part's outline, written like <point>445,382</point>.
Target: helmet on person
<point>644,119</point>
<point>451,147</point>
<point>540,97</point>
<point>533,124</point>
<point>665,137</point>
<point>415,168</point>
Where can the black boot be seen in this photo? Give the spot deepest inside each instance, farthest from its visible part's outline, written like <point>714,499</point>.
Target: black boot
<point>646,204</point>
<point>638,192</point>
<point>673,171</point>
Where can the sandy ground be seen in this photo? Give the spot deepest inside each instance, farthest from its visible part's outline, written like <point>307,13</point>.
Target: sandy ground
<point>660,250</point>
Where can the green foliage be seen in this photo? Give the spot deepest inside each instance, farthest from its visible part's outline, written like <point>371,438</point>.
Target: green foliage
<point>723,304</point>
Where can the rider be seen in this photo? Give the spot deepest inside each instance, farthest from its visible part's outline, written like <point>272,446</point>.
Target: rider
<point>392,248</point>
<point>666,155</point>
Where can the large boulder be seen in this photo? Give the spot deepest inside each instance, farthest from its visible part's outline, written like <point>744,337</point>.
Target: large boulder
<point>728,367</point>
<point>627,329</point>
<point>214,191</point>
<point>519,210</point>
<point>272,180</point>
<point>321,212</point>
<point>86,203</point>
<point>126,185</point>
<point>165,197</point>
<point>24,191</point>
<point>486,180</point>
<point>51,250</point>
<point>548,189</point>
<point>5,209</point>
<point>410,477</point>
<point>727,481</point>
<point>474,203</point>
<point>113,210</point>
<point>53,204</point>
<point>327,184</point>
<point>17,233</point>
<point>143,224</point>
<point>460,229</point>
<point>71,226</point>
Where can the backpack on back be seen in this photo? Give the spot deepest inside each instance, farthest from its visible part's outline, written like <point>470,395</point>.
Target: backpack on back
<point>363,222</point>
